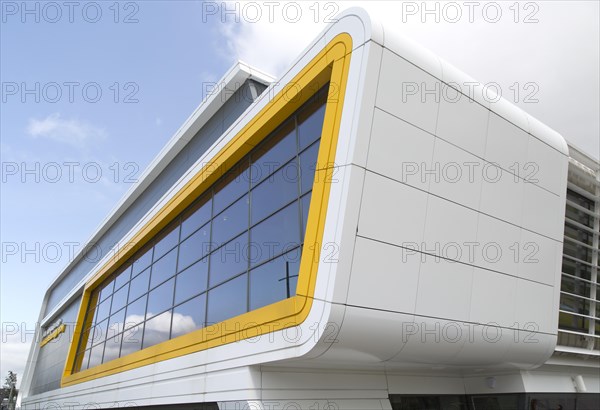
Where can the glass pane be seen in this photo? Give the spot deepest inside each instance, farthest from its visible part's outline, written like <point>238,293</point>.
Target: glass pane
<point>99,333</point>
<point>580,199</point>
<point>554,401</point>
<point>112,347</point>
<point>308,165</point>
<point>454,402</point>
<point>79,356</point>
<point>310,124</point>
<point>167,241</point>
<point>103,310</point>
<point>91,313</point>
<point>232,186</point>
<point>106,291</point>
<point>86,359</point>
<point>142,262</point>
<point>579,216</point>
<point>194,247</point>
<point>139,285</point>
<point>305,207</point>
<point>229,260</point>
<point>571,322</point>
<point>417,403</point>
<point>163,268</point>
<point>497,402</point>
<point>196,216</point>
<point>191,281</point>
<point>227,300</point>
<point>136,311</point>
<point>574,304</point>
<point>274,280</point>
<point>575,286</point>
<point>231,222</point>
<point>157,329</point>
<point>272,154</point>
<point>90,339</point>
<point>123,277</point>
<point>189,316</point>
<point>96,355</point>
<point>132,340</point>
<point>119,299</point>
<point>275,192</point>
<point>160,298</point>
<point>275,235</point>
<point>116,323</point>
<point>576,269</point>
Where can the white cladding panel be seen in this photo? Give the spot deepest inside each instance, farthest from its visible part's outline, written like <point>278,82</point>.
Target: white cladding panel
<point>491,196</point>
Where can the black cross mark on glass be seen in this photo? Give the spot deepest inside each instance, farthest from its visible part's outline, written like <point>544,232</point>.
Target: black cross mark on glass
<point>287,278</point>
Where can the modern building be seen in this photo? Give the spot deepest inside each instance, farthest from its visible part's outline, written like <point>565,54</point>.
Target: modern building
<point>364,232</point>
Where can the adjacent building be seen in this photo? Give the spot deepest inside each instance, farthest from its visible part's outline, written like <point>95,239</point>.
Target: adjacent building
<point>372,230</point>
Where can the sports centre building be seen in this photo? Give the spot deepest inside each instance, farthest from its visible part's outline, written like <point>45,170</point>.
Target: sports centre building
<point>361,233</point>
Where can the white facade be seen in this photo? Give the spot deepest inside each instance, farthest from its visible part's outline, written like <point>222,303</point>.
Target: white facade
<point>440,268</point>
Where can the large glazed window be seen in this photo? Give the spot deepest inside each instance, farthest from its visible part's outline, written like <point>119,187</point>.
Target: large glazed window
<point>579,317</point>
<point>331,65</point>
<point>235,249</point>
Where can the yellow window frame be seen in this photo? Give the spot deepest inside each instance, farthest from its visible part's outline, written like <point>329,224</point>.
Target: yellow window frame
<point>330,65</point>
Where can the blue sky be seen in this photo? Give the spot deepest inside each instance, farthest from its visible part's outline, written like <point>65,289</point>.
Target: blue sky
<point>159,65</point>
<point>161,61</point>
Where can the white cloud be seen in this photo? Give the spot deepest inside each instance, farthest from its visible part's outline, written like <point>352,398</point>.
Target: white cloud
<point>562,65</point>
<point>183,324</point>
<point>14,351</point>
<point>69,131</point>
<point>273,39</point>
<point>272,56</point>
<point>270,36</point>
